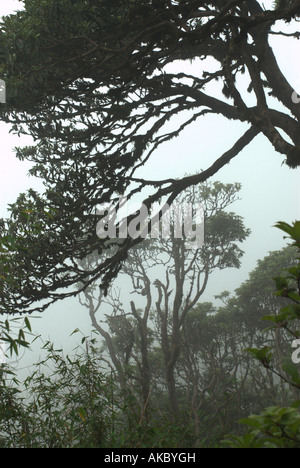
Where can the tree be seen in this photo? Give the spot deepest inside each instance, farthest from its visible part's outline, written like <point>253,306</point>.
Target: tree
<point>11,340</point>
<point>90,81</point>
<point>257,293</point>
<point>168,279</point>
<point>221,380</point>
<point>279,427</point>
<point>65,402</point>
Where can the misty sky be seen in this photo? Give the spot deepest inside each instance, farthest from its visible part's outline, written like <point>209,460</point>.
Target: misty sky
<point>270,191</point>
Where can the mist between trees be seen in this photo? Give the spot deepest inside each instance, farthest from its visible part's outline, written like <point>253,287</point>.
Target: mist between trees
<point>164,368</point>
<point>100,86</point>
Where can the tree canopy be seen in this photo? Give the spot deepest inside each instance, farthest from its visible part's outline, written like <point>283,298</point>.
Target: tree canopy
<point>90,81</point>
<point>166,279</point>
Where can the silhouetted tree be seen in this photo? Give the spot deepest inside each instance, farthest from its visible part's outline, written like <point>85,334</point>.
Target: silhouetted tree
<point>168,280</point>
<point>91,81</point>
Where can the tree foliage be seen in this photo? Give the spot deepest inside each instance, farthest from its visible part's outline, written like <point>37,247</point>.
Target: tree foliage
<point>277,426</point>
<point>167,280</point>
<point>92,82</point>
<point>75,401</point>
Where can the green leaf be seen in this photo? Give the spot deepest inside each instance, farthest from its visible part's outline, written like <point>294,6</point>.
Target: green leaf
<point>251,421</point>
<point>263,355</point>
<point>281,282</point>
<point>27,323</point>
<point>292,230</point>
<point>292,370</point>
<point>292,311</point>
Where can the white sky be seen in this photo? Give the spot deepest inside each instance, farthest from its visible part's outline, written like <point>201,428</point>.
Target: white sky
<point>270,190</point>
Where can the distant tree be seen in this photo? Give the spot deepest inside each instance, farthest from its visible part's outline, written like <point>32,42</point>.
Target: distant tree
<point>279,426</point>
<point>220,381</point>
<point>257,294</point>
<point>168,280</point>
<point>90,81</point>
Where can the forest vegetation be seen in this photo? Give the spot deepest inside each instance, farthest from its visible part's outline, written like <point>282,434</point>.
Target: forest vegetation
<point>92,83</point>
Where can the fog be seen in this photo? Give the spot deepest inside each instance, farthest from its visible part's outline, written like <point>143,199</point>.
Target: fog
<point>270,193</point>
